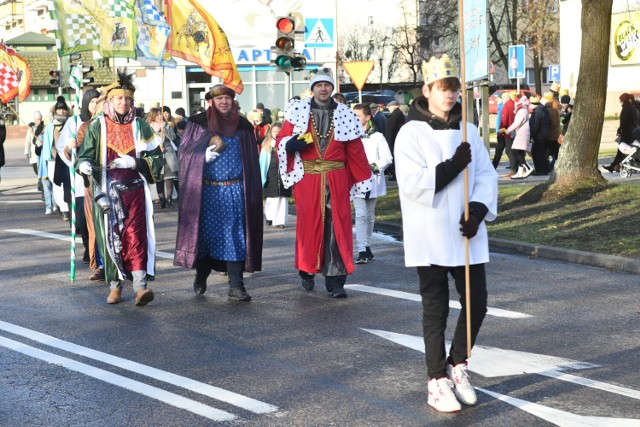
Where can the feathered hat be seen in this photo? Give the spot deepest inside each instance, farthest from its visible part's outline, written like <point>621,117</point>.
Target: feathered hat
<point>123,86</point>
<point>438,69</point>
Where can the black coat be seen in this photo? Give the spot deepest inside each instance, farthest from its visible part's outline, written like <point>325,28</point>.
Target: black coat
<point>273,186</point>
<point>394,123</point>
<point>3,136</point>
<point>628,122</point>
<point>539,124</point>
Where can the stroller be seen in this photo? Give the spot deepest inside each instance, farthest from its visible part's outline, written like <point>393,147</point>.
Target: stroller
<point>631,163</point>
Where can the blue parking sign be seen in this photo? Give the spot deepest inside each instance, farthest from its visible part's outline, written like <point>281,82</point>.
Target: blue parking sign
<point>554,73</point>
<point>516,62</point>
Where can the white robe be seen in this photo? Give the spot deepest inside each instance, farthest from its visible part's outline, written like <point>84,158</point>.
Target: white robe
<point>431,229</point>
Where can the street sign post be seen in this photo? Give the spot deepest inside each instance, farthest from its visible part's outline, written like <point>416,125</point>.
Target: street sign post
<point>517,63</point>
<point>554,73</point>
<point>359,71</point>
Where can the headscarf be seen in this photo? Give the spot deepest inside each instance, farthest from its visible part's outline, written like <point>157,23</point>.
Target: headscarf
<point>85,114</point>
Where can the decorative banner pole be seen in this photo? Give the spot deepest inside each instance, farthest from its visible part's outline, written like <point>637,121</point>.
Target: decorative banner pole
<point>75,80</point>
<point>463,72</point>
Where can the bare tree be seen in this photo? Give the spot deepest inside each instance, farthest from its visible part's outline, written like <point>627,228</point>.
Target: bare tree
<point>577,165</point>
<point>540,30</point>
<point>365,43</point>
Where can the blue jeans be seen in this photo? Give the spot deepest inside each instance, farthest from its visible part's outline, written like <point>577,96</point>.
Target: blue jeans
<point>47,191</point>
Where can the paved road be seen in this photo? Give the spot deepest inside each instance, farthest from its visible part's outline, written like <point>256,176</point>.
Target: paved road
<point>559,345</point>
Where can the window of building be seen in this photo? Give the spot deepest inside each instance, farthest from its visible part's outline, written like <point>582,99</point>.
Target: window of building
<point>531,76</point>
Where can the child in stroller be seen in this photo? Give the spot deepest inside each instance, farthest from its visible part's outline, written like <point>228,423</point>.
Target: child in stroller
<point>631,163</point>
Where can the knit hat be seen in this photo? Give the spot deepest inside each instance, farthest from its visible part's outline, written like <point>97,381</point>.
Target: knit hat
<point>166,109</point>
<point>61,103</point>
<point>323,75</point>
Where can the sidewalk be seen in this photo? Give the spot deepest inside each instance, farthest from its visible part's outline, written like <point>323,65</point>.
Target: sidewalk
<point>18,173</point>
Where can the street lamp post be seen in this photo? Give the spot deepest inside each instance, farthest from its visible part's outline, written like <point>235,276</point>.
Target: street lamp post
<point>380,60</point>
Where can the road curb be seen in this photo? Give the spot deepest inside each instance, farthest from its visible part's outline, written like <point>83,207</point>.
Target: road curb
<point>532,250</point>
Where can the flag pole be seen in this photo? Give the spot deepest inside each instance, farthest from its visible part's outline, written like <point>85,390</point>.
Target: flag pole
<point>467,278</point>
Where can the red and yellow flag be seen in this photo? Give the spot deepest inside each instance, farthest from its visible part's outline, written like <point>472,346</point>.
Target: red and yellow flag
<point>197,38</point>
<point>18,65</point>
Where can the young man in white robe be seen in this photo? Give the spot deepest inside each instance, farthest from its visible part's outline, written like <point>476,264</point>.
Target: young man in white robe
<point>430,157</point>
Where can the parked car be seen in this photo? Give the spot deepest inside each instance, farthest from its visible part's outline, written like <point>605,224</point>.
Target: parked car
<point>493,98</point>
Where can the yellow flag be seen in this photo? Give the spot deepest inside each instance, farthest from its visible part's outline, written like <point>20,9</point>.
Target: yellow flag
<point>197,38</point>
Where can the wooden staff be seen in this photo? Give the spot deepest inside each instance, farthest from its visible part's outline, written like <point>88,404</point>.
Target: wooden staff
<point>467,278</point>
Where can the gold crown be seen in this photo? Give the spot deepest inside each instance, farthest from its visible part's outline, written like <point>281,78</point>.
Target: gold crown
<point>437,69</point>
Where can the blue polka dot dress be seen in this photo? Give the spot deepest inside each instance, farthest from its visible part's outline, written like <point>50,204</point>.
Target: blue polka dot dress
<point>222,218</point>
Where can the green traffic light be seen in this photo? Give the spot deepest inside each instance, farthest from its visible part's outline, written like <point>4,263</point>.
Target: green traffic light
<point>283,62</point>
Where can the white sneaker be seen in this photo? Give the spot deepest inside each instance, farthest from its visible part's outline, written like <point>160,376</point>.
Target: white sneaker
<point>528,170</point>
<point>519,174</point>
<point>462,387</point>
<point>48,212</point>
<point>441,396</point>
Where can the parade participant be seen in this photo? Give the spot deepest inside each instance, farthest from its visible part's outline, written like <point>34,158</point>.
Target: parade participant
<point>320,153</point>
<point>46,151</point>
<point>430,157</point>
<point>220,214</point>
<point>276,204</point>
<point>379,158</point>
<point>67,142</point>
<point>121,152</point>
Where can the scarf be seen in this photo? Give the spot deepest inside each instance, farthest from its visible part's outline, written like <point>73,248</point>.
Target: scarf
<point>117,118</point>
<point>225,125</point>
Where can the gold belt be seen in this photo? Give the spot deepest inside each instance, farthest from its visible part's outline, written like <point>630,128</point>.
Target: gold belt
<point>321,166</point>
<point>220,183</point>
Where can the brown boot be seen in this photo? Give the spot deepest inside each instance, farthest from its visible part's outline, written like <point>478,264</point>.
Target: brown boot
<point>114,296</point>
<point>143,297</point>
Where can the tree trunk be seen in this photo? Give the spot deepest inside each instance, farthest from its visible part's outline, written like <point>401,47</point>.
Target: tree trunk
<point>577,165</point>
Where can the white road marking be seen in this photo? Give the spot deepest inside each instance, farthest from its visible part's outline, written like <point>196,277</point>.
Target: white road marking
<point>562,418</point>
<point>416,297</point>
<point>514,362</point>
<point>159,254</point>
<point>213,392</point>
<point>20,202</point>
<point>120,381</point>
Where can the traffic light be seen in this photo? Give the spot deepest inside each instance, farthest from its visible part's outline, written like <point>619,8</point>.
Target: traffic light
<point>86,77</point>
<point>286,58</point>
<point>284,43</point>
<point>55,78</point>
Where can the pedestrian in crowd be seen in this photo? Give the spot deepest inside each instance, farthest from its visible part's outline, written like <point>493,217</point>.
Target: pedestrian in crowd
<point>430,156</point>
<point>394,123</point>
<point>3,137</point>
<point>521,144</point>
<point>565,99</point>
<point>320,153</point>
<point>339,98</point>
<point>379,120</point>
<point>121,153</point>
<point>61,175</point>
<point>260,125</point>
<point>170,166</point>
<point>220,218</point>
<point>539,127</point>
<point>500,142</point>
<point>266,113</point>
<point>629,120</point>
<point>566,120</point>
<point>180,116</point>
<point>276,205</point>
<point>168,118</point>
<point>34,134</point>
<point>66,144</point>
<point>46,152</point>
<point>553,148</point>
<point>379,158</point>
<point>507,117</point>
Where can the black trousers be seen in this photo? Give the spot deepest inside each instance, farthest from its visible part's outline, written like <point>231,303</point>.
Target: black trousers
<point>434,290</point>
<point>539,155</point>
<point>500,147</point>
<point>234,270</point>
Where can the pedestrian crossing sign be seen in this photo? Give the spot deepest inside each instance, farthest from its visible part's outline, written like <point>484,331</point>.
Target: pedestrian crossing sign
<point>319,32</point>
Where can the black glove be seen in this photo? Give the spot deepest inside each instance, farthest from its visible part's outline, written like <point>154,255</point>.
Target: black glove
<point>296,143</point>
<point>469,228</point>
<point>462,157</point>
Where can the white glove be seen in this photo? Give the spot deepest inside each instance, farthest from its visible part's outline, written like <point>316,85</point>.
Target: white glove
<point>124,162</point>
<point>85,168</point>
<point>210,155</point>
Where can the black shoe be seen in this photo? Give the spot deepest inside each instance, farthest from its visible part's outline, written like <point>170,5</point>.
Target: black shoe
<point>362,258</point>
<point>370,255</point>
<point>239,294</point>
<point>339,293</point>
<point>269,222</point>
<point>281,226</point>
<point>170,203</point>
<point>163,203</point>
<point>85,257</point>
<point>65,216</point>
<point>200,285</point>
<point>308,284</point>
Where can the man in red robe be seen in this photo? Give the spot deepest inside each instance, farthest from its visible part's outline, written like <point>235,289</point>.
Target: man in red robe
<point>320,153</point>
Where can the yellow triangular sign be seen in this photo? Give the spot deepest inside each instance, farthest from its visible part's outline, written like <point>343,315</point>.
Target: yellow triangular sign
<point>358,71</point>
